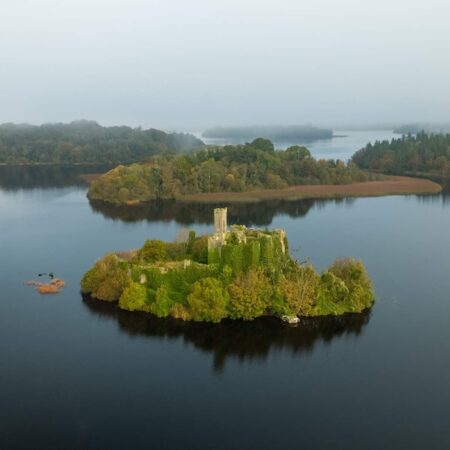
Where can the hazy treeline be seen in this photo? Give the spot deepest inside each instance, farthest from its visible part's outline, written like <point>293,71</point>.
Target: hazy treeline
<point>415,128</point>
<point>420,154</point>
<point>275,133</point>
<point>86,142</point>
<point>238,168</point>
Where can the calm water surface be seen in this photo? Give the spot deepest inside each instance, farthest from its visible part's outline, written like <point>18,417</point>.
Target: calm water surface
<point>78,374</point>
<point>342,146</point>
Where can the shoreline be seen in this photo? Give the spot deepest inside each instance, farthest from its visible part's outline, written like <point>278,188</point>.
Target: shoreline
<point>391,185</point>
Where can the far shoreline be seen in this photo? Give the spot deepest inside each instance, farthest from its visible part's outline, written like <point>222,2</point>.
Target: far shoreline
<point>390,185</point>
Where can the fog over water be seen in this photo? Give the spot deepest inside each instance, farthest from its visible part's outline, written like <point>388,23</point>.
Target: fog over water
<point>198,63</point>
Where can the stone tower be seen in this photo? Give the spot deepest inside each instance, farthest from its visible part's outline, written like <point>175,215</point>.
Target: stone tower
<point>220,221</point>
<point>220,229</point>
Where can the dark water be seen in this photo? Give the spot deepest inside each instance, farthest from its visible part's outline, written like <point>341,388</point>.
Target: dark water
<point>78,374</point>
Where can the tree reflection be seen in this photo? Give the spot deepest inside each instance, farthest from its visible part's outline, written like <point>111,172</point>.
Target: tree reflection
<point>442,197</point>
<point>251,213</point>
<point>235,339</point>
<point>13,178</point>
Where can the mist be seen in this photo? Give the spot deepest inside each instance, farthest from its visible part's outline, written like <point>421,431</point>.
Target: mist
<point>187,65</point>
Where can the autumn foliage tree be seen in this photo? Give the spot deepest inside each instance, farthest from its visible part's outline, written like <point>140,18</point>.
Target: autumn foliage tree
<point>250,295</point>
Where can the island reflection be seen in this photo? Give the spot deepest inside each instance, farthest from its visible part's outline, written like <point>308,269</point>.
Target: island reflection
<point>229,339</point>
<point>46,176</point>
<point>187,213</point>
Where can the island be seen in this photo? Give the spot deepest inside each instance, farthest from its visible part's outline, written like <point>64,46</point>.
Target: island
<point>422,154</point>
<point>85,142</point>
<point>250,171</point>
<point>237,273</point>
<point>292,133</point>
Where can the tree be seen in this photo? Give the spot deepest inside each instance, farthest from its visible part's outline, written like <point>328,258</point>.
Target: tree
<point>161,307</point>
<point>208,300</point>
<point>105,280</point>
<point>153,250</point>
<point>134,298</point>
<point>299,289</point>
<point>297,152</point>
<point>250,295</point>
<point>355,277</point>
<point>263,144</point>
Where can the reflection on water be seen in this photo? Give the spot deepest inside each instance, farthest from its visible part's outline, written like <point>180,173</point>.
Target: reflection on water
<point>235,339</point>
<point>443,197</point>
<point>13,178</point>
<point>187,213</point>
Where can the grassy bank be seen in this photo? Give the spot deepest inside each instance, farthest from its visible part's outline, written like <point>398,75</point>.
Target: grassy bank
<point>391,185</point>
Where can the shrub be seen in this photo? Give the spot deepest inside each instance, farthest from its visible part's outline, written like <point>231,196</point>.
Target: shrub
<point>299,289</point>
<point>134,298</point>
<point>355,276</point>
<point>175,251</point>
<point>162,304</point>
<point>278,304</point>
<point>95,275</point>
<point>208,300</point>
<point>213,256</point>
<point>332,296</point>
<point>152,251</point>
<point>250,295</point>
<point>200,250</point>
<point>105,280</point>
<point>112,286</point>
<point>179,311</point>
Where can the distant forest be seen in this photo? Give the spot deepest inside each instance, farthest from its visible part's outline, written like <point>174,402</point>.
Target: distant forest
<point>415,128</point>
<point>231,168</point>
<point>274,133</point>
<point>422,154</point>
<point>86,142</point>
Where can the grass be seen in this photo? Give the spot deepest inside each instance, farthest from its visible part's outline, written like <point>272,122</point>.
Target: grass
<point>48,288</point>
<point>390,185</point>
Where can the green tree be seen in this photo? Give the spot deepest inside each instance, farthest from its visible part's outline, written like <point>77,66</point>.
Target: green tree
<point>355,277</point>
<point>263,144</point>
<point>134,298</point>
<point>152,251</point>
<point>250,295</point>
<point>208,300</point>
<point>161,307</point>
<point>105,280</point>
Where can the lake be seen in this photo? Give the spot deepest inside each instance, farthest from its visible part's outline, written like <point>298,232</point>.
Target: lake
<point>341,146</point>
<point>77,373</point>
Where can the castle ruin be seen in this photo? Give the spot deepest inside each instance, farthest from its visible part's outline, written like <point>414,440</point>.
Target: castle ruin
<point>220,229</point>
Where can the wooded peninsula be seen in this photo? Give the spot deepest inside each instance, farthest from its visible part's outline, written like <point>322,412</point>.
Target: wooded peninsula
<point>222,169</point>
<point>86,142</point>
<point>239,273</point>
<point>423,154</point>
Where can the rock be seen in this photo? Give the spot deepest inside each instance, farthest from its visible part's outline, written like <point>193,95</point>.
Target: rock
<point>291,320</point>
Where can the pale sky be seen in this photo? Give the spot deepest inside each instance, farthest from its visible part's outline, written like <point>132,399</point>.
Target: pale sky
<point>189,64</point>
